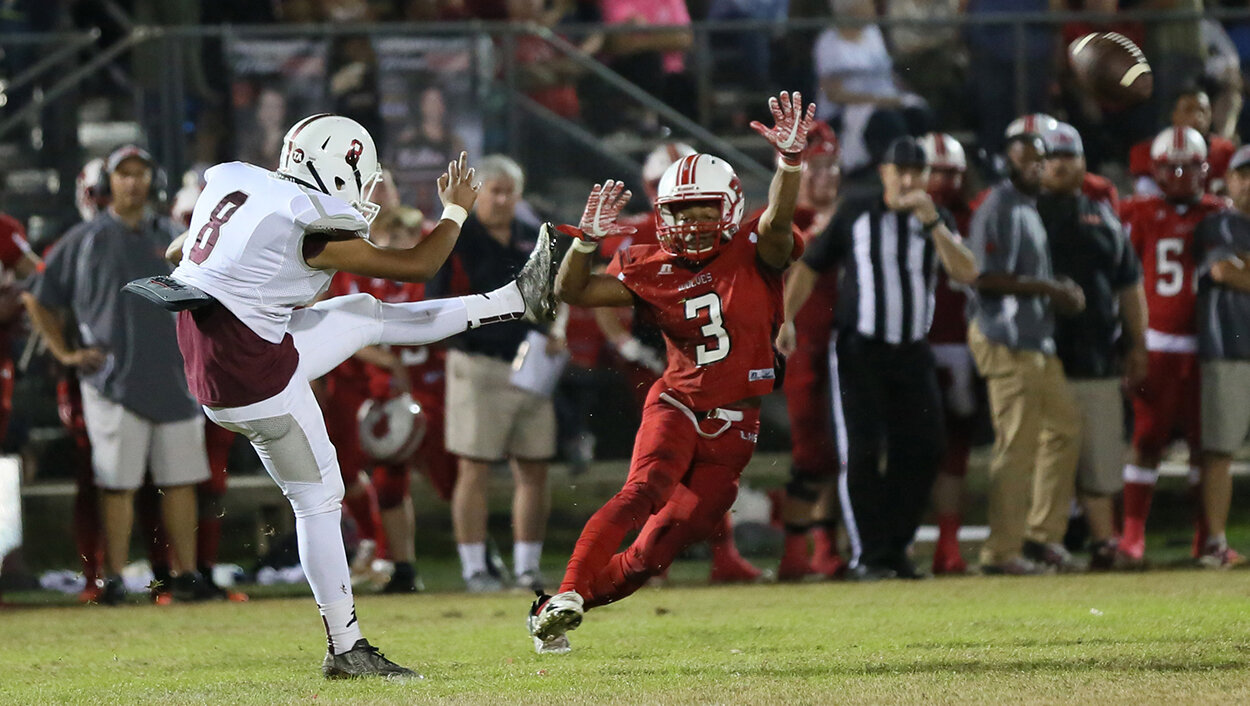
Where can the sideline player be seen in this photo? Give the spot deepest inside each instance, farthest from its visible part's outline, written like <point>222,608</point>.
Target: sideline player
<point>1161,229</point>
<point>262,243</point>
<point>713,284</point>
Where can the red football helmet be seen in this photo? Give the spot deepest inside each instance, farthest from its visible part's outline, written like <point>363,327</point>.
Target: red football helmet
<point>698,177</point>
<point>391,430</point>
<point>1179,155</point>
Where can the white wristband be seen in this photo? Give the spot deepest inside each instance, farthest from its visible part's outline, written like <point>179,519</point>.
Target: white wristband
<point>586,246</point>
<point>455,213</point>
<point>785,166</point>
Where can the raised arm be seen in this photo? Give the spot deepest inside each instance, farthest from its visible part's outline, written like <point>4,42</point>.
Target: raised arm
<point>789,137</point>
<point>575,283</point>
<point>457,190</point>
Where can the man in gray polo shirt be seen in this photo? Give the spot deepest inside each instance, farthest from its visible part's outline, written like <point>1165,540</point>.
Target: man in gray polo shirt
<point>1222,252</point>
<point>138,411</point>
<point>1037,433</point>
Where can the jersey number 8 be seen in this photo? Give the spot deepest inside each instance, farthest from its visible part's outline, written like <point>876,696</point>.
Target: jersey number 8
<point>207,237</point>
<point>714,328</point>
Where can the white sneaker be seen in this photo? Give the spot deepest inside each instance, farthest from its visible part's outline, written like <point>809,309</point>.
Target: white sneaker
<point>551,617</point>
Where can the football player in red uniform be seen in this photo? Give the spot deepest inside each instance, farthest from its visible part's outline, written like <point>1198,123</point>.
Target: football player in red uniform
<point>17,262</point>
<point>948,337</point>
<point>809,505</point>
<point>1192,109</point>
<point>713,285</point>
<point>1161,229</point>
<point>640,348</point>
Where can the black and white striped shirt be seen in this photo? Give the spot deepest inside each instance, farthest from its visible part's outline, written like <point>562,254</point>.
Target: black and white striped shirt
<point>889,269</point>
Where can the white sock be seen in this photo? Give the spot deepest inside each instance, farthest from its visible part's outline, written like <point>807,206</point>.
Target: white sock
<point>342,628</point>
<point>1217,541</point>
<point>1137,474</point>
<point>472,558</point>
<point>324,560</point>
<point>525,556</point>
<point>503,304</point>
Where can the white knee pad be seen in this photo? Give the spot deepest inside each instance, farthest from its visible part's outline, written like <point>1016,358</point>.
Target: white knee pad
<point>315,498</point>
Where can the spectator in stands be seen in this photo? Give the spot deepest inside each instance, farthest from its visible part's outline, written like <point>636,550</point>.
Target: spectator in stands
<point>930,57</point>
<point>1223,254</point>
<point>654,59</point>
<point>1011,335</point>
<point>751,65</point>
<point>353,84</point>
<point>1088,245</point>
<point>1222,75</point>
<point>1191,108</point>
<point>139,413</point>
<point>488,419</point>
<point>1176,50</point>
<point>994,50</point>
<point>858,92</point>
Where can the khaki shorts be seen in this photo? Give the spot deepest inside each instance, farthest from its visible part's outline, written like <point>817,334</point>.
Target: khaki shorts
<point>125,445</point>
<point>1225,405</point>
<point>490,420</point>
<point>1101,468</point>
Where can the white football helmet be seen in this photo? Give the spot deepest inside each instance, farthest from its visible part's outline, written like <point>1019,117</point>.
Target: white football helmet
<point>1179,155</point>
<point>944,152</point>
<point>335,155</point>
<point>661,157</point>
<point>89,196</point>
<point>698,177</point>
<point>1036,123</point>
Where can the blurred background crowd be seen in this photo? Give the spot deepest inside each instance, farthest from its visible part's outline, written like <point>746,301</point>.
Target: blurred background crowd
<point>560,94</point>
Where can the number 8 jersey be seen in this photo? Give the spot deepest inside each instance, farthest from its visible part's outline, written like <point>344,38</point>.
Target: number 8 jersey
<point>719,317</point>
<point>247,246</point>
<point>1162,233</point>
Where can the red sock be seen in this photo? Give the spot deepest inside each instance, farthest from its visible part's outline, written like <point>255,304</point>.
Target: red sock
<point>87,531</point>
<point>1136,508</point>
<point>207,539</point>
<point>722,542</point>
<point>948,533</point>
<point>824,541</point>
<point>362,503</point>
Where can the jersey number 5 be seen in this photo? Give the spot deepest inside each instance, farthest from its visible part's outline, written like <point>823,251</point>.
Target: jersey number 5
<point>206,239</point>
<point>1170,273</point>
<point>714,328</point>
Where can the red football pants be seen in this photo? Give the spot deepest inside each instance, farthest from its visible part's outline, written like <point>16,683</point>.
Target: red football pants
<point>679,488</point>
<point>807,400</point>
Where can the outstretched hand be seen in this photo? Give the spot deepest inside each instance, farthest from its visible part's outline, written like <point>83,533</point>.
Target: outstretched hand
<point>791,124</point>
<point>456,185</point>
<point>603,207</point>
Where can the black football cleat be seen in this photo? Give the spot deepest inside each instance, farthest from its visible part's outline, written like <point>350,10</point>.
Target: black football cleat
<point>364,660</point>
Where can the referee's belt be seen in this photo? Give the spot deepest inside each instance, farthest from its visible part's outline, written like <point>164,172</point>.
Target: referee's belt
<point>728,416</point>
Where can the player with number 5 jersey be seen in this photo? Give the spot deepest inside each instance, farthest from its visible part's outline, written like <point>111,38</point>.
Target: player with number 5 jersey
<point>263,244</point>
<point>713,286</point>
<point>1165,405</point>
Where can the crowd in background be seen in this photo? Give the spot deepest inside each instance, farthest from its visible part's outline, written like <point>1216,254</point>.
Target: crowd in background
<point>874,84</point>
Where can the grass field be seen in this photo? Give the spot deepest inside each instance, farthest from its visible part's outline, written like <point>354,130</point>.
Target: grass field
<point>1177,637</point>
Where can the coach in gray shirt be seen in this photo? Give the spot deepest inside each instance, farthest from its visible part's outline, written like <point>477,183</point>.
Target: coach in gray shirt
<point>1223,255</point>
<point>138,411</point>
<point>1011,336</point>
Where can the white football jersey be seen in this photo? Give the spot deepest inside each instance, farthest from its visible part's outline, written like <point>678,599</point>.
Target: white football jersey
<point>247,241</point>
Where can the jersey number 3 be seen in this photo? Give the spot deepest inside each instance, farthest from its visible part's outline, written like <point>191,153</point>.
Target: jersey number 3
<point>714,328</point>
<point>206,239</point>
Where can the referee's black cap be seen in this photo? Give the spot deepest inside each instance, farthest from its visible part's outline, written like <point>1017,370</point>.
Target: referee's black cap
<point>905,151</point>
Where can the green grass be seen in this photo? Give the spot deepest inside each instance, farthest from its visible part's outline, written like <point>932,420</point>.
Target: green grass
<point>1170,636</point>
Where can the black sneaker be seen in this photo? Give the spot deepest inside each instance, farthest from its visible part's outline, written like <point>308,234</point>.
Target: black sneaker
<point>406,579</point>
<point>904,568</point>
<point>363,660</point>
<point>114,592</point>
<point>191,587</point>
<point>1102,555</point>
<point>864,572</point>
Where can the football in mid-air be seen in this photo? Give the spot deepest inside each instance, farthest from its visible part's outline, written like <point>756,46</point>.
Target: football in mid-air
<point>1111,68</point>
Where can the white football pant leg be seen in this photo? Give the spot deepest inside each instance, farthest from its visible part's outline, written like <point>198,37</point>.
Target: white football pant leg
<point>289,434</point>
<point>331,331</point>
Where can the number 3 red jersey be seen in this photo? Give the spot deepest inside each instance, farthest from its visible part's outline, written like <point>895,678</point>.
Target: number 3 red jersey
<point>1162,233</point>
<point>719,317</point>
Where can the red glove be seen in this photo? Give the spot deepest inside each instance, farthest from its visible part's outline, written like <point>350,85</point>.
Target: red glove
<point>789,134</point>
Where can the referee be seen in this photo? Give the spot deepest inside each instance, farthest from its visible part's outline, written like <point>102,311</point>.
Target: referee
<point>886,395</point>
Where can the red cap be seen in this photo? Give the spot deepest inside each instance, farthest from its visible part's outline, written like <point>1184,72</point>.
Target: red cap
<point>821,140</point>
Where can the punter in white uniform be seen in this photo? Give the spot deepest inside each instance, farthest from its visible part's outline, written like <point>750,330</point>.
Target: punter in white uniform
<point>261,244</point>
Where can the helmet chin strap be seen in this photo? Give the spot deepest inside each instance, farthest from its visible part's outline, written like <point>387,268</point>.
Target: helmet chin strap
<point>320,184</point>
